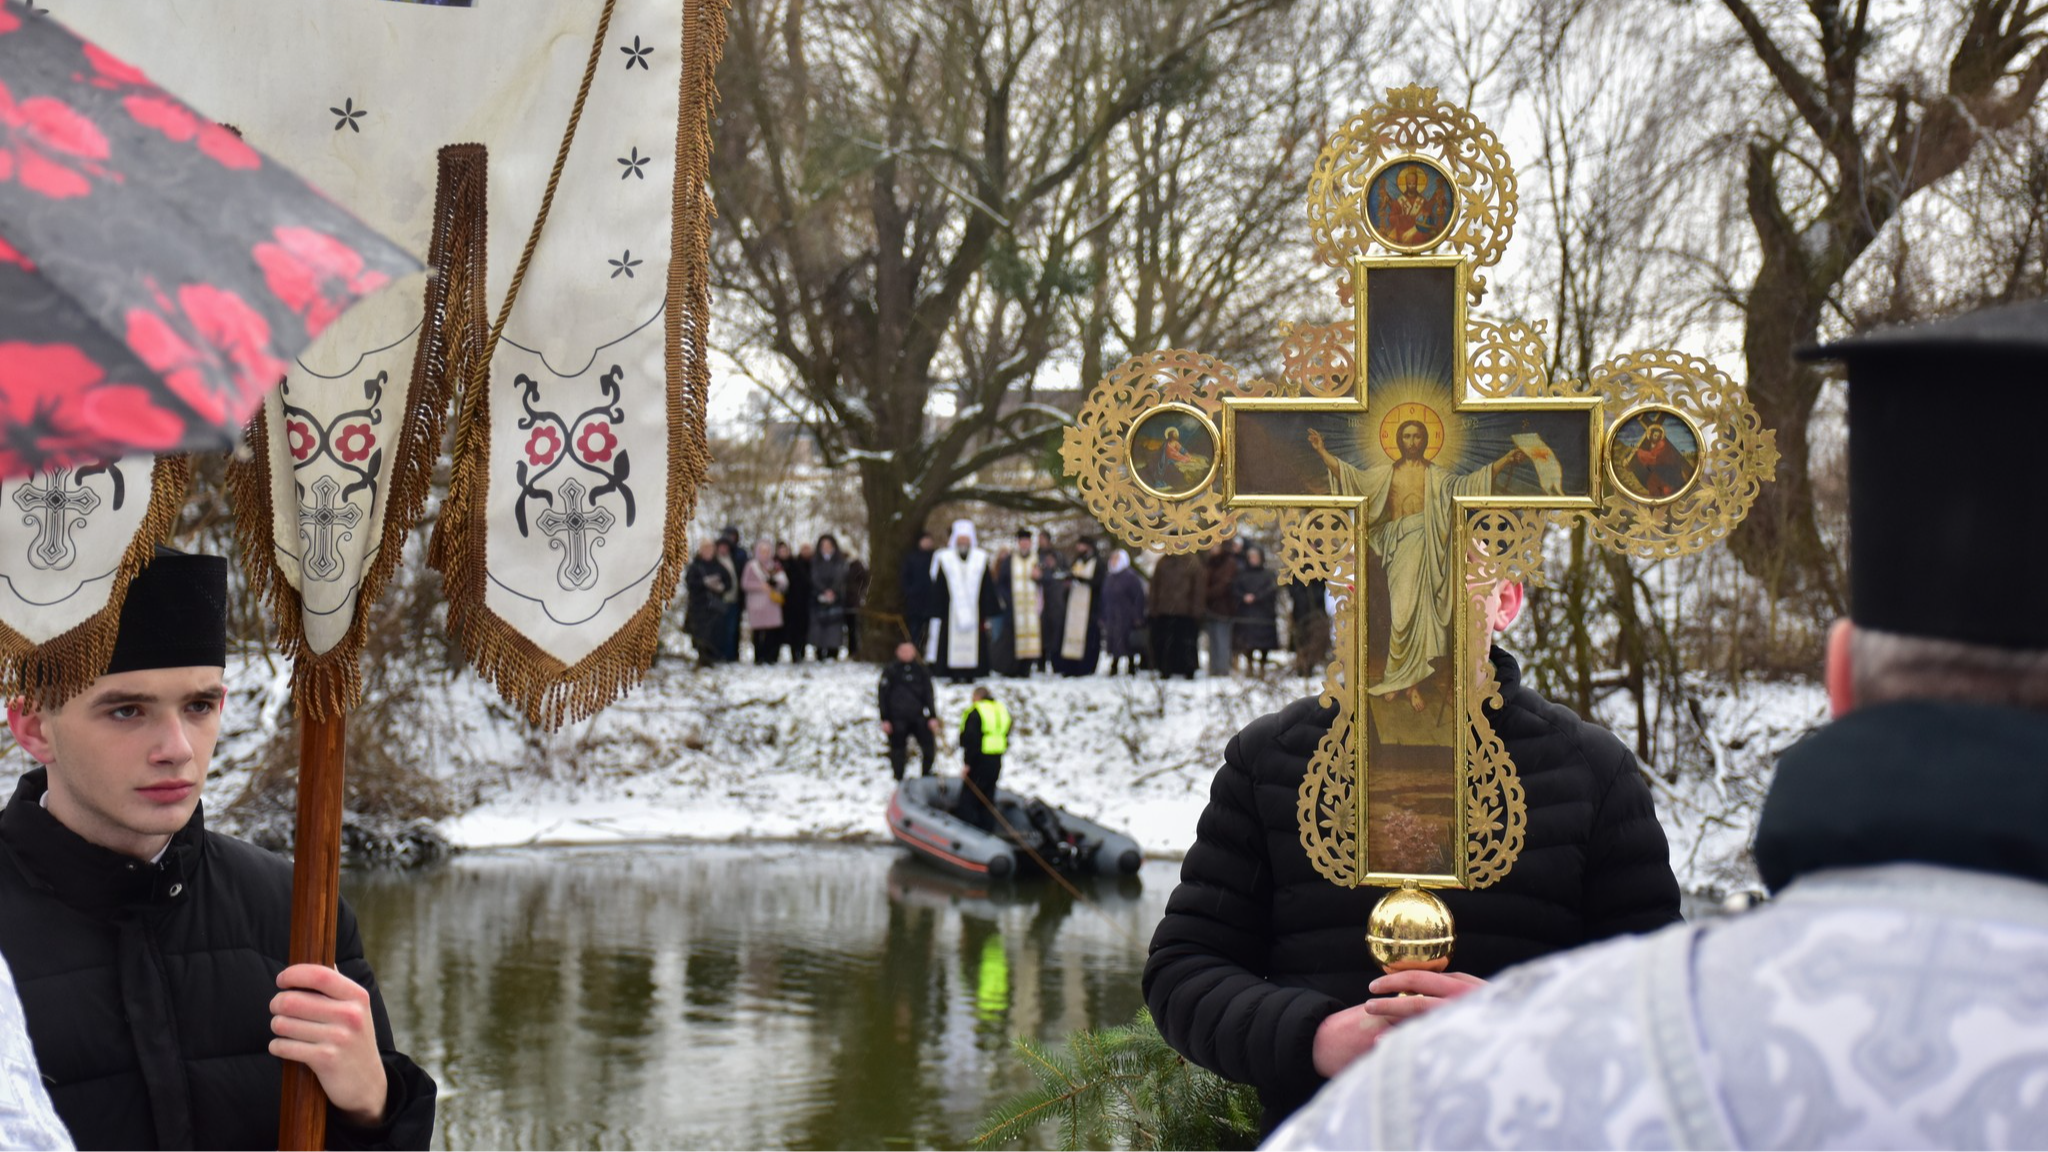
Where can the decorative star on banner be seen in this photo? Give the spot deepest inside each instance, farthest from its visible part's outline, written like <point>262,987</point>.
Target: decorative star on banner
<point>349,114</point>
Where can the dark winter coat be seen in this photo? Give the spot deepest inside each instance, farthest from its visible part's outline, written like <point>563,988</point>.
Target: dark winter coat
<point>148,987</point>
<point>1256,949</point>
<point>1258,626</point>
<point>1178,586</point>
<point>706,581</point>
<point>905,693</point>
<point>828,619</point>
<point>920,597</point>
<point>796,607</point>
<point>1217,573</point>
<point>1123,611</point>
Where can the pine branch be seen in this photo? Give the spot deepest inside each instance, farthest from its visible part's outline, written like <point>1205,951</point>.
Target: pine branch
<point>1124,1086</point>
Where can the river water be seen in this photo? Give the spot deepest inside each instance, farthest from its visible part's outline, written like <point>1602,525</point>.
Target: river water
<point>738,996</point>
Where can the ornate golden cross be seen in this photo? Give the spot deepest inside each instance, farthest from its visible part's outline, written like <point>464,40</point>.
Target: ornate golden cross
<point>1417,494</point>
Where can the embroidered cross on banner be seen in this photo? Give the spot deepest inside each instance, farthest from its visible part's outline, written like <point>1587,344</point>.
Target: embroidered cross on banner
<point>323,526</point>
<point>54,510</point>
<point>577,532</point>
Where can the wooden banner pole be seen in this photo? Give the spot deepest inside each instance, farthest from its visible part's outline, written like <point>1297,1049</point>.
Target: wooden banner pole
<point>316,904</point>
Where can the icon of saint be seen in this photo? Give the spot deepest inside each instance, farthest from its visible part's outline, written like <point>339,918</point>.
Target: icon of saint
<point>1659,469</point>
<point>1410,503</point>
<point>1408,217</point>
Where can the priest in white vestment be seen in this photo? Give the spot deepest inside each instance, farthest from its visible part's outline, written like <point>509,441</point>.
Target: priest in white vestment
<point>966,597</point>
<point>1410,504</point>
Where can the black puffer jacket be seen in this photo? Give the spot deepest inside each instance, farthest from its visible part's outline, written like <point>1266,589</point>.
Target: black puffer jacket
<point>147,987</point>
<point>1256,949</point>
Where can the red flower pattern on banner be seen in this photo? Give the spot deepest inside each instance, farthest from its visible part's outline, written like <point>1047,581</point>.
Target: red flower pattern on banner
<point>113,70</point>
<point>54,401</point>
<point>299,435</point>
<point>315,275</point>
<point>227,358</point>
<point>48,147</point>
<point>596,442</point>
<point>355,442</point>
<point>177,122</point>
<point>543,446</point>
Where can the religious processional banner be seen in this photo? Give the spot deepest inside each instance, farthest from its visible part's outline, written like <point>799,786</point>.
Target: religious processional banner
<point>548,157</point>
<point>73,539</point>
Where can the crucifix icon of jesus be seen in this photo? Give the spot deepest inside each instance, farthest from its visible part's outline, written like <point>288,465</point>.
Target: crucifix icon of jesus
<point>1413,456</point>
<point>1409,456</point>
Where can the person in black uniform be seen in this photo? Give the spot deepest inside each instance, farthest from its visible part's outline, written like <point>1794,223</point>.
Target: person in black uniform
<point>909,711</point>
<point>150,953</point>
<point>1259,970</point>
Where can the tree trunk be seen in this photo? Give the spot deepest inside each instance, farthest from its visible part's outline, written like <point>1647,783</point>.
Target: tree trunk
<point>894,520</point>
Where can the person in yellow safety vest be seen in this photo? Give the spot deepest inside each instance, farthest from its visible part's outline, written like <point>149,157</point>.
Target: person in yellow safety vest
<point>984,737</point>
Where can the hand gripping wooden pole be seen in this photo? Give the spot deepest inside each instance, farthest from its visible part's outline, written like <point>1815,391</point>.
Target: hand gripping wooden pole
<point>316,906</point>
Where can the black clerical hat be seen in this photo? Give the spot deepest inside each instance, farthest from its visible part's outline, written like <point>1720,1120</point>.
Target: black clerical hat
<point>175,616</point>
<point>1948,509</point>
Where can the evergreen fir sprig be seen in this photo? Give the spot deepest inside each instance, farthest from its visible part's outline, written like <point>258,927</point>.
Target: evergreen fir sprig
<point>1123,1087</point>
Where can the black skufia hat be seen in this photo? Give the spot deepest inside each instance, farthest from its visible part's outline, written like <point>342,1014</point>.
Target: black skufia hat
<point>1944,524</point>
<point>175,616</point>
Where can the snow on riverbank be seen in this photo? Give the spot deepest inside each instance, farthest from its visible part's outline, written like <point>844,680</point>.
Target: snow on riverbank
<point>794,752</point>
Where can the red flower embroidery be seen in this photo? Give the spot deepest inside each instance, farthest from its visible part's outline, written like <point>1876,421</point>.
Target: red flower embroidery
<point>45,144</point>
<point>300,435</point>
<point>57,408</point>
<point>9,22</point>
<point>177,122</point>
<point>315,275</point>
<point>543,446</point>
<point>355,442</point>
<point>595,443</point>
<point>226,362</point>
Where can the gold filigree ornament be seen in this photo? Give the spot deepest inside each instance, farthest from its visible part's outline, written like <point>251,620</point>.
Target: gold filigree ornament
<point>1326,807</point>
<point>1313,541</point>
<point>1501,545</point>
<point>1413,126</point>
<point>1317,358</point>
<point>1507,358</point>
<point>1186,514</point>
<point>1660,513</point>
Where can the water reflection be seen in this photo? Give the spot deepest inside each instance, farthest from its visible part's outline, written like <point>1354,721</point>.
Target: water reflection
<point>721,996</point>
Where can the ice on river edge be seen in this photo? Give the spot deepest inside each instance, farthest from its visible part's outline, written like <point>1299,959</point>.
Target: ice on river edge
<point>794,752</point>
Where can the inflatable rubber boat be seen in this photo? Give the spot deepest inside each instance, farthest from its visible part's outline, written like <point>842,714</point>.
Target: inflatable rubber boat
<point>921,816</point>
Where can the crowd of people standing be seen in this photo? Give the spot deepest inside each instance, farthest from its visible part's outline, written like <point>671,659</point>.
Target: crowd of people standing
<point>1030,605</point>
<point>795,600</point>
<point>1040,606</point>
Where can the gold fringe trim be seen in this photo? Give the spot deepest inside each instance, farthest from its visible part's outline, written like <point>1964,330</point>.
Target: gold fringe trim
<point>67,664</point>
<point>329,684</point>
<point>546,690</point>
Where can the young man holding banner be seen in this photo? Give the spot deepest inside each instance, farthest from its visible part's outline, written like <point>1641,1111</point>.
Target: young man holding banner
<point>150,953</point>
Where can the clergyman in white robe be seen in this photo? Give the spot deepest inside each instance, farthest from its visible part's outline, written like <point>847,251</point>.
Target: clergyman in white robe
<point>966,597</point>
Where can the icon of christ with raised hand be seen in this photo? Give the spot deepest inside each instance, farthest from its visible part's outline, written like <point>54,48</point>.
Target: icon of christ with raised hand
<point>1409,505</point>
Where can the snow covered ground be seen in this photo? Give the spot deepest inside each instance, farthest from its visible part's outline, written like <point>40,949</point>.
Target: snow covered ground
<point>793,752</point>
